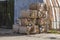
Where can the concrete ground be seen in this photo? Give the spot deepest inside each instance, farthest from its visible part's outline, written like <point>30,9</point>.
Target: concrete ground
<point>7,34</point>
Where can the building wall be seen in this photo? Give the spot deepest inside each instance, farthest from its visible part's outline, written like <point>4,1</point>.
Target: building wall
<point>22,4</point>
<point>2,0</point>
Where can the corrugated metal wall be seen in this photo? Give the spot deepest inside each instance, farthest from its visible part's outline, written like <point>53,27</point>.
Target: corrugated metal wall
<point>22,4</point>
<point>55,7</point>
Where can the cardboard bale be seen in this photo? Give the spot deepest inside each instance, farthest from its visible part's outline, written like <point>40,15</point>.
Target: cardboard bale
<point>32,21</point>
<point>25,13</point>
<point>34,6</point>
<point>15,28</point>
<point>43,7</point>
<point>36,29</point>
<point>24,22</point>
<point>38,6</point>
<point>33,29</point>
<point>28,22</point>
<point>41,21</point>
<point>30,29</point>
<point>22,29</point>
<point>42,14</point>
<point>33,14</point>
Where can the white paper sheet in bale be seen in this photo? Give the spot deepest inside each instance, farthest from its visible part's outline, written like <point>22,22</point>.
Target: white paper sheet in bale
<point>19,21</point>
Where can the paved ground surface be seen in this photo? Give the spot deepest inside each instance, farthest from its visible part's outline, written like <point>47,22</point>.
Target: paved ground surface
<point>8,35</point>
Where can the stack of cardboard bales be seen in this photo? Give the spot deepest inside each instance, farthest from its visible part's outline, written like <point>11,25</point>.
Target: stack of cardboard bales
<point>33,20</point>
<point>43,15</point>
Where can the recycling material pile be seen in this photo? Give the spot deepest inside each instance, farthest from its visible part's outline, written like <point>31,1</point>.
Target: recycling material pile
<point>33,20</point>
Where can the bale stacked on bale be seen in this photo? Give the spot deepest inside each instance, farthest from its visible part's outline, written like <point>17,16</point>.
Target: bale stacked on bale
<point>28,16</point>
<point>37,12</point>
<point>32,19</point>
<point>42,15</point>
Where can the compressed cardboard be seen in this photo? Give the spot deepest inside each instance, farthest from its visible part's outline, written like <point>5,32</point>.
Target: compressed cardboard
<point>25,13</point>
<point>36,29</point>
<point>34,6</point>
<point>22,29</point>
<point>33,29</point>
<point>38,6</point>
<point>30,29</point>
<point>24,22</point>
<point>33,14</point>
<point>42,14</point>
<point>15,28</point>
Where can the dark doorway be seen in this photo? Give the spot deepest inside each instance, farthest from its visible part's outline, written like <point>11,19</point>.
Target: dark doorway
<point>3,12</point>
<point>6,16</point>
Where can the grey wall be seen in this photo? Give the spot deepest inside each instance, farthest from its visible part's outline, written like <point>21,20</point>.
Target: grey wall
<point>22,4</point>
<point>2,0</point>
